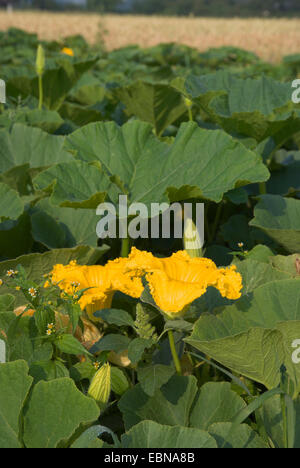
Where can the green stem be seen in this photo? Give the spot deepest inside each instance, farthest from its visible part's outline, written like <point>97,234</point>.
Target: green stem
<point>206,226</point>
<point>174,353</point>
<point>40,78</point>
<point>125,247</point>
<point>190,114</point>
<point>216,221</point>
<point>262,188</point>
<point>284,420</point>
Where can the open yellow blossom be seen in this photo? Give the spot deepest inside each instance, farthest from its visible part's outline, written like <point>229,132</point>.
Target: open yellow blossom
<point>67,51</point>
<point>100,282</point>
<point>176,281</point>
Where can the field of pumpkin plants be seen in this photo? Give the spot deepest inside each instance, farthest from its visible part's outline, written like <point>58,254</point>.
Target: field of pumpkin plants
<point>123,343</point>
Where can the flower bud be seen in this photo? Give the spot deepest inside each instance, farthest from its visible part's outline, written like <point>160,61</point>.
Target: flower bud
<point>100,387</point>
<point>40,60</point>
<point>188,102</point>
<point>192,241</point>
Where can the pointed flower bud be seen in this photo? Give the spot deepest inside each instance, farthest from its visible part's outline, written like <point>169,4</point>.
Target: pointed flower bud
<point>192,240</point>
<point>40,60</point>
<point>100,387</point>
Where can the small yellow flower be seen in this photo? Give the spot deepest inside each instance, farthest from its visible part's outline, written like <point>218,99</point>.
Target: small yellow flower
<point>67,51</point>
<point>241,245</point>
<point>1,282</point>
<point>18,288</point>
<point>49,332</point>
<point>51,325</point>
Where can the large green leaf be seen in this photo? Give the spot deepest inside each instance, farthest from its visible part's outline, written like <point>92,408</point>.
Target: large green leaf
<point>270,415</point>
<point>11,205</point>
<point>149,434</point>
<point>15,237</point>
<point>89,439</point>
<point>154,376</point>
<point>255,336</point>
<point>216,403</point>
<point>56,409</point>
<point>158,104</point>
<point>28,145</point>
<point>88,91</point>
<point>256,108</point>
<point>49,121</point>
<point>285,179</point>
<point>170,405</point>
<point>256,273</point>
<point>199,162</point>
<point>75,184</point>
<point>80,115</point>
<point>14,384</point>
<point>279,218</point>
<point>241,436</point>
<point>57,227</point>
<point>287,264</point>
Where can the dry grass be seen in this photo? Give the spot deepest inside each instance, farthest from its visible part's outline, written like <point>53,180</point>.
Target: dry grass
<point>271,39</point>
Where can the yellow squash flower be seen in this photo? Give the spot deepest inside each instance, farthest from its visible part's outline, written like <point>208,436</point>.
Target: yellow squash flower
<point>175,282</point>
<point>100,282</point>
<point>67,51</point>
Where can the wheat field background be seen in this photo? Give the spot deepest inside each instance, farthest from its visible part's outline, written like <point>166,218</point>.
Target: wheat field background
<point>271,39</point>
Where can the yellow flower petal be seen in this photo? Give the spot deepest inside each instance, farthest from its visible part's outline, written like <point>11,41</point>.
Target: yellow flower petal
<point>230,283</point>
<point>100,282</point>
<point>176,281</point>
<point>67,51</point>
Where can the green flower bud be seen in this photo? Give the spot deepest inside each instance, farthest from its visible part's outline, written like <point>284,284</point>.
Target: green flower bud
<point>192,241</point>
<point>188,102</point>
<point>100,387</point>
<point>40,60</point>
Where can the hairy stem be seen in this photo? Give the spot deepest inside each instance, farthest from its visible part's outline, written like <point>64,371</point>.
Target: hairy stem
<point>41,92</point>
<point>174,353</point>
<point>125,247</point>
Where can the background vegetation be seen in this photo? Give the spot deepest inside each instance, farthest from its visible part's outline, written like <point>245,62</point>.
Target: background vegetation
<point>219,8</point>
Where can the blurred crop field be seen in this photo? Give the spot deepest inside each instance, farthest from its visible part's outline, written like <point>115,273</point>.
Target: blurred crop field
<point>271,39</point>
